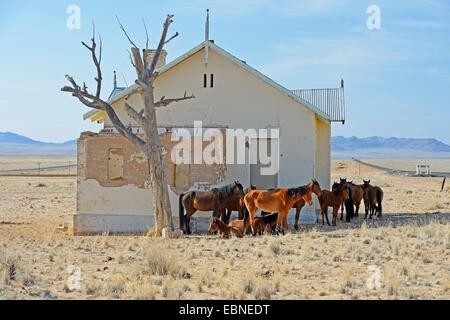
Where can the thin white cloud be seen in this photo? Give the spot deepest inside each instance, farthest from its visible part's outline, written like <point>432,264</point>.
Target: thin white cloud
<point>351,52</point>
<point>422,24</point>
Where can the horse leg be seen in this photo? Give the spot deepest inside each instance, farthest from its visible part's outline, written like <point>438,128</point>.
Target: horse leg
<point>322,209</point>
<point>187,221</point>
<point>366,209</point>
<point>326,215</point>
<point>335,214</point>
<point>228,216</point>
<point>280,220</point>
<point>297,216</point>
<point>342,212</point>
<point>357,204</point>
<point>241,213</point>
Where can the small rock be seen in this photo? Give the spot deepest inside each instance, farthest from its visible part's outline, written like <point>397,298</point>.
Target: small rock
<point>48,296</point>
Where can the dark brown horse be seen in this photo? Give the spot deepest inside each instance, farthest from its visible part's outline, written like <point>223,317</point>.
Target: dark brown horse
<point>224,230</point>
<point>355,196</point>
<point>333,199</point>
<point>217,200</point>
<point>263,224</point>
<point>373,197</point>
<point>275,200</point>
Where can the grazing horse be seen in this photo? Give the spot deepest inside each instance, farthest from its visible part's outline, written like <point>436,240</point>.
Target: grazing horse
<point>275,200</point>
<point>224,230</point>
<point>334,199</point>
<point>265,223</point>
<point>373,197</point>
<point>218,200</point>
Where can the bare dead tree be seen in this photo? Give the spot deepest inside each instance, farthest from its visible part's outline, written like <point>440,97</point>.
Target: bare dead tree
<point>146,119</point>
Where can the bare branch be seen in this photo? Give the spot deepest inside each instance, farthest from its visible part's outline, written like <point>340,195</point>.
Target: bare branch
<point>161,43</point>
<point>125,32</point>
<point>146,34</point>
<point>96,61</point>
<point>138,117</point>
<point>99,104</point>
<point>131,59</point>
<point>172,37</point>
<point>139,65</point>
<point>165,102</point>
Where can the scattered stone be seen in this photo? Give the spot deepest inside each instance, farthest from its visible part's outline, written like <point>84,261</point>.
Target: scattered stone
<point>48,296</point>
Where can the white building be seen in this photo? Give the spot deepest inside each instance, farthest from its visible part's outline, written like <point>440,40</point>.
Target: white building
<point>112,193</point>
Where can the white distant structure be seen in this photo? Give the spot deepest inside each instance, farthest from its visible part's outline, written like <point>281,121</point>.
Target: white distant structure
<point>423,170</point>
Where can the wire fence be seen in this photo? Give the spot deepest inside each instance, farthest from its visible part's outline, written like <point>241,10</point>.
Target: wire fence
<point>42,168</point>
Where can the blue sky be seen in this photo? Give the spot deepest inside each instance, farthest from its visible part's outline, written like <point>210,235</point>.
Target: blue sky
<point>397,79</point>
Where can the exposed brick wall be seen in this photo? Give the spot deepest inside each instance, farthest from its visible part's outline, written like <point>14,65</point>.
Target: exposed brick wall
<point>95,150</point>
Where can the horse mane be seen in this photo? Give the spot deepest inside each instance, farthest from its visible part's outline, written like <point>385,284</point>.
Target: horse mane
<point>292,191</point>
<point>225,191</point>
<point>304,189</point>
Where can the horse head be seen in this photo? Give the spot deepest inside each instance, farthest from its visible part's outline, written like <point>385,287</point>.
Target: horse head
<point>344,192</point>
<point>335,187</point>
<point>316,187</point>
<point>238,189</point>
<point>214,225</point>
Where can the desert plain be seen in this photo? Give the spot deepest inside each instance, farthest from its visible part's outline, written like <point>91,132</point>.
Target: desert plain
<point>403,255</point>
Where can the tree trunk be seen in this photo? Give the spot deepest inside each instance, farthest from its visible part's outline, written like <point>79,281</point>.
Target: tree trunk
<point>158,182</point>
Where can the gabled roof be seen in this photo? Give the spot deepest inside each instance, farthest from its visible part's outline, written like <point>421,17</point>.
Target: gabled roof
<point>94,115</point>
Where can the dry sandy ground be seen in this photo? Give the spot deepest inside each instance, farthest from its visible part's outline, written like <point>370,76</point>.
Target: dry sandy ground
<point>405,255</point>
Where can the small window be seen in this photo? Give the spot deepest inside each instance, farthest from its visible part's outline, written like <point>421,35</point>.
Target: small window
<point>212,80</point>
<point>205,79</point>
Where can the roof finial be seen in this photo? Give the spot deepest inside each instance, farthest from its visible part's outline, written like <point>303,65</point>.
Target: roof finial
<point>207,26</point>
<point>115,80</point>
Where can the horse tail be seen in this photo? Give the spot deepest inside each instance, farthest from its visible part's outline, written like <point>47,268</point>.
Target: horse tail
<point>181,210</point>
<point>246,216</point>
<point>349,205</point>
<point>379,200</point>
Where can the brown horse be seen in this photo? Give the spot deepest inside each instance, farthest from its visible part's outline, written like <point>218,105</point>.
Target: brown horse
<point>355,198</point>
<point>333,199</point>
<point>301,203</point>
<point>263,224</point>
<point>275,200</point>
<point>224,230</point>
<point>218,200</point>
<point>373,197</point>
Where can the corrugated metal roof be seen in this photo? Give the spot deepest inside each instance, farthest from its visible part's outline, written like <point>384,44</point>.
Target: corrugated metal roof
<point>328,100</point>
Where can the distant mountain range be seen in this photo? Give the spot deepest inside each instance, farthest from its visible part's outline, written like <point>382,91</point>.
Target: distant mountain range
<point>379,147</point>
<point>12,144</point>
<point>341,147</point>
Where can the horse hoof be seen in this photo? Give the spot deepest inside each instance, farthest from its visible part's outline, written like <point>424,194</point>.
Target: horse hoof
<point>296,227</point>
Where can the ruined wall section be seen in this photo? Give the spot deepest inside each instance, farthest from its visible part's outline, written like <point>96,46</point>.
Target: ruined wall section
<point>112,174</point>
